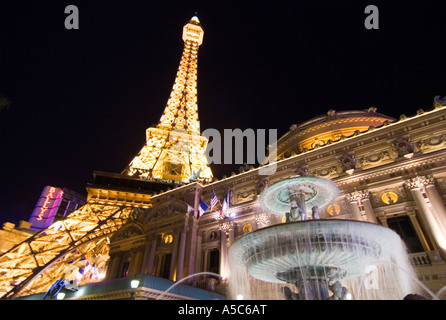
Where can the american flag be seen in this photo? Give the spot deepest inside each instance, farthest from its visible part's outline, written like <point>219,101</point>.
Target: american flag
<point>214,200</point>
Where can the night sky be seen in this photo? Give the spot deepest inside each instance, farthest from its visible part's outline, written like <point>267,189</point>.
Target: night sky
<point>81,100</point>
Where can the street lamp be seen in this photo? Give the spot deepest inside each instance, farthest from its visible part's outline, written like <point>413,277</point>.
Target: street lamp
<point>134,284</point>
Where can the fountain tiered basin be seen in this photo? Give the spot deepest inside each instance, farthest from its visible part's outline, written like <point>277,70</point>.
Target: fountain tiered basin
<point>313,256</point>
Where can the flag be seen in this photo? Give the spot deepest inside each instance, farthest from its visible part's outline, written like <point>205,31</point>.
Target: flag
<point>80,274</point>
<point>214,200</point>
<point>202,207</point>
<point>93,272</point>
<point>82,271</point>
<point>225,204</point>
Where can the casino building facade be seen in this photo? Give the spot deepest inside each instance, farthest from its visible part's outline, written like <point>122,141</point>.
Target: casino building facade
<point>147,222</point>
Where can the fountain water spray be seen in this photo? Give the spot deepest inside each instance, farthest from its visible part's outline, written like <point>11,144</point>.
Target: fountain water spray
<point>185,278</point>
<point>314,256</point>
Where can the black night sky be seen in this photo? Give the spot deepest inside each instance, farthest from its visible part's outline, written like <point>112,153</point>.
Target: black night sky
<point>82,99</point>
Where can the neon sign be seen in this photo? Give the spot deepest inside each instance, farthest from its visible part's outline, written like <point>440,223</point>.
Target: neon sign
<point>44,207</point>
<point>49,196</point>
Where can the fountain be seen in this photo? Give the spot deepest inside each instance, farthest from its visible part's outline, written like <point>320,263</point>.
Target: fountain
<point>349,258</point>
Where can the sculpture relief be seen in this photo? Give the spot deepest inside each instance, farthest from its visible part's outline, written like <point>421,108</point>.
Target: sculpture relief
<point>439,102</point>
<point>348,162</point>
<point>376,158</point>
<point>432,144</point>
<point>127,232</point>
<point>168,209</point>
<point>403,146</point>
<point>327,172</point>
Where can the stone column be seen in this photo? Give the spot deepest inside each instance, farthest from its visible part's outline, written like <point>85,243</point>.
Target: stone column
<point>370,214</point>
<point>223,254</point>
<point>145,257</point>
<point>152,255</point>
<point>361,207</point>
<point>181,256</point>
<point>436,201</point>
<point>383,219</point>
<point>416,225</point>
<point>173,263</point>
<point>135,261</point>
<point>231,237</point>
<point>198,255</point>
<point>353,200</point>
<point>113,265</point>
<point>206,260</point>
<point>417,187</point>
<point>225,228</point>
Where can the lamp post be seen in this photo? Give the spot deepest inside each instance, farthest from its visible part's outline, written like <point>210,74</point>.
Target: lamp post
<point>134,284</point>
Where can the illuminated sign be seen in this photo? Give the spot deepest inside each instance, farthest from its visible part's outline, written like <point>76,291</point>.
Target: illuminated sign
<point>49,196</point>
<point>44,207</point>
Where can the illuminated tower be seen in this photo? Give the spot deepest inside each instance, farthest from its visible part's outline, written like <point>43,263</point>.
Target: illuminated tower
<point>174,153</point>
<point>174,149</point>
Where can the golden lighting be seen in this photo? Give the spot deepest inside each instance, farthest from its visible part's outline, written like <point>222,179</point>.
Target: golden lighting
<point>333,210</point>
<point>174,149</point>
<point>54,245</point>
<point>168,238</point>
<point>247,228</point>
<point>389,197</point>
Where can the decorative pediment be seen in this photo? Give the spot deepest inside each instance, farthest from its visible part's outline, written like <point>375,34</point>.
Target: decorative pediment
<point>127,231</point>
<point>168,209</point>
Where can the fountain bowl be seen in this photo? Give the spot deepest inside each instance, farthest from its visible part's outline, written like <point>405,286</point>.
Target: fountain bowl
<point>317,192</point>
<point>338,249</point>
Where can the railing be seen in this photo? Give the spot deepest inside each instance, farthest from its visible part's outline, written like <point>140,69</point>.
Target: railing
<point>420,259</point>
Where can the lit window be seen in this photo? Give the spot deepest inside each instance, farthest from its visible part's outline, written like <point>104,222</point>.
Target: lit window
<point>247,228</point>
<point>333,210</point>
<point>168,238</point>
<point>389,197</point>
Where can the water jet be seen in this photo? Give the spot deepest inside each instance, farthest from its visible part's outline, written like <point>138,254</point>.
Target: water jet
<point>307,258</point>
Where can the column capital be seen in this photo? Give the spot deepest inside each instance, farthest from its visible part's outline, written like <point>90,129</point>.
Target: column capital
<point>419,182</point>
<point>382,217</point>
<point>411,213</point>
<point>357,196</point>
<point>430,180</point>
<point>263,218</point>
<point>226,225</point>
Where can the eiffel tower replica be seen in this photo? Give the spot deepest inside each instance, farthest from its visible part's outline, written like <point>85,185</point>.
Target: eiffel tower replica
<point>175,150</point>
<point>174,154</point>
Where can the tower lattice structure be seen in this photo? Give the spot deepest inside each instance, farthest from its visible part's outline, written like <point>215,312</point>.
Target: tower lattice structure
<point>175,151</point>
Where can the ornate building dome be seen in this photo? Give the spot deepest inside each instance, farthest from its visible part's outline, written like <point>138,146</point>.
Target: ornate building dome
<point>325,129</point>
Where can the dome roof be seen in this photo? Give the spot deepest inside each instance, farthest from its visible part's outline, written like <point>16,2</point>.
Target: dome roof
<point>329,128</point>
